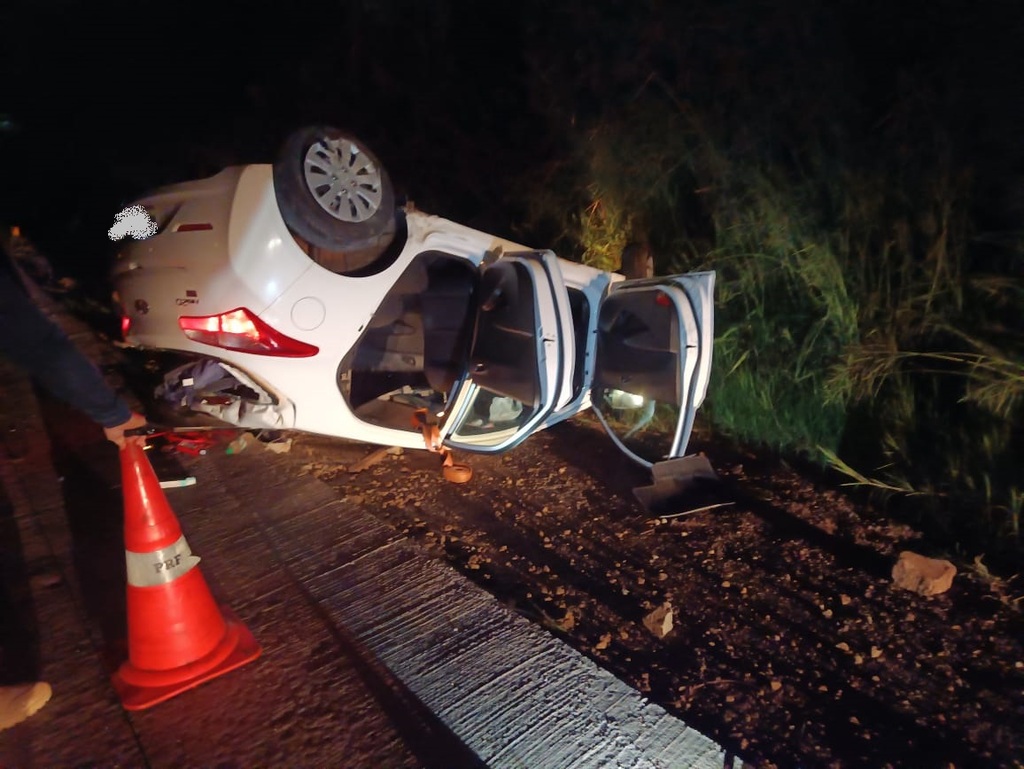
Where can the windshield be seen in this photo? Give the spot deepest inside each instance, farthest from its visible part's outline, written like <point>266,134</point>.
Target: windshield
<point>414,351</point>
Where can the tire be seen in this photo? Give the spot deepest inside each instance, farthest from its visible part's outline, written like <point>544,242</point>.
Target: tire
<point>637,261</point>
<point>333,192</point>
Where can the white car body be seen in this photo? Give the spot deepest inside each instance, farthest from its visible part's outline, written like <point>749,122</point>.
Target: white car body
<point>223,245</point>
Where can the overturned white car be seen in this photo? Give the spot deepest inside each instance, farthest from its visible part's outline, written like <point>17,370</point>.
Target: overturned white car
<point>311,302</point>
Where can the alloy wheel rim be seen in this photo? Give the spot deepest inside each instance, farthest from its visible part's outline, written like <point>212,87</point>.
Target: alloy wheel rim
<point>343,180</point>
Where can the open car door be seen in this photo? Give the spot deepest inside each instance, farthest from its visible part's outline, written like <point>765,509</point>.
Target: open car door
<point>653,361</point>
<point>516,373</point>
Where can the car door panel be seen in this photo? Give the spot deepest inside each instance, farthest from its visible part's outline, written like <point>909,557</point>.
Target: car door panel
<point>516,362</point>
<point>654,349</point>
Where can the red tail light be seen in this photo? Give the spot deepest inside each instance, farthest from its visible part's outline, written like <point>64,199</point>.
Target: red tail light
<point>126,326</point>
<point>242,331</point>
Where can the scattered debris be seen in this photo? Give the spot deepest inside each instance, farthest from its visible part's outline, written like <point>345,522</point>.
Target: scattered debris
<point>241,443</point>
<point>644,683</point>
<point>704,509</point>
<point>375,457</point>
<point>659,621</point>
<point>280,447</point>
<point>678,483</point>
<point>568,622</point>
<point>922,575</point>
<point>177,483</point>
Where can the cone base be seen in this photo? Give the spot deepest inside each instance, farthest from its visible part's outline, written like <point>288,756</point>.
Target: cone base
<point>140,689</point>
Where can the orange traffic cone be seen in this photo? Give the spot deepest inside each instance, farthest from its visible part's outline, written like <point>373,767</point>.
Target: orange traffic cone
<point>177,636</point>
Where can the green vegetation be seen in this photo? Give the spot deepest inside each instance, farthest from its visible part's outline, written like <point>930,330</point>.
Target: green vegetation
<point>860,321</point>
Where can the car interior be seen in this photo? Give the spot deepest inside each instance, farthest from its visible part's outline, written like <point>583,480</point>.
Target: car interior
<point>414,350</point>
<point>504,358</point>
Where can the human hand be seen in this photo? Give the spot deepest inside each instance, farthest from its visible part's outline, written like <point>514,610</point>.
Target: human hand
<point>116,434</point>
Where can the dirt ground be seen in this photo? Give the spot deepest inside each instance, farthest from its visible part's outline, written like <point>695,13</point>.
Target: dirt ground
<point>790,645</point>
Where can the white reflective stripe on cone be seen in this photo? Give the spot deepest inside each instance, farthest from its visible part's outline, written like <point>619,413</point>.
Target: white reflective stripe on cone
<point>160,566</point>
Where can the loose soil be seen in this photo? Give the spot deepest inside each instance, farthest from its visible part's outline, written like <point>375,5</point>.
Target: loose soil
<point>791,646</point>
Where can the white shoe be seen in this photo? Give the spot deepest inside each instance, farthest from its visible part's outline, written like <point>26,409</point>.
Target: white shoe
<point>19,702</point>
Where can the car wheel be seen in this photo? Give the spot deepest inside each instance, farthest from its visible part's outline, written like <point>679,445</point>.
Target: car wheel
<point>334,193</point>
<point>637,261</point>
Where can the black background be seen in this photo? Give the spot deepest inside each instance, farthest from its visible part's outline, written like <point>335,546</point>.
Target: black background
<point>467,103</point>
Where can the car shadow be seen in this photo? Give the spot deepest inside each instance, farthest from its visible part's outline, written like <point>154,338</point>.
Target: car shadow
<point>585,446</point>
<point>620,475</point>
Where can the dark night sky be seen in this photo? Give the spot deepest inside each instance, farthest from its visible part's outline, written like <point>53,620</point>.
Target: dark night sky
<point>114,97</point>
<point>458,97</point>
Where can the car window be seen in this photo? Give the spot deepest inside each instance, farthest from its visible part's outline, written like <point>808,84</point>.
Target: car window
<point>645,426</point>
<point>491,418</point>
<point>639,389</point>
<point>414,351</point>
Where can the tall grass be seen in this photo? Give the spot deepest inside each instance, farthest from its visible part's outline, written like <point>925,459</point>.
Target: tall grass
<point>855,323</point>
